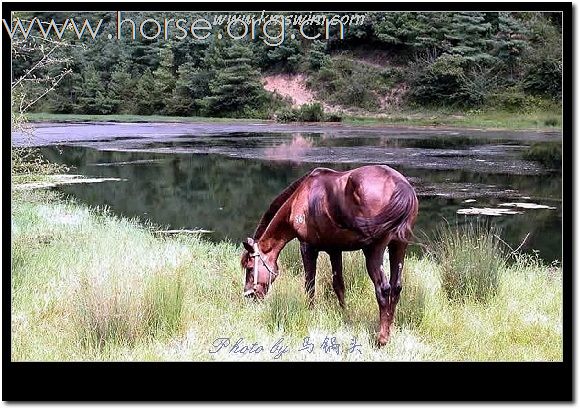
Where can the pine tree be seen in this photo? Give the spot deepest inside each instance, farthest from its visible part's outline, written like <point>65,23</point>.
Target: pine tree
<point>398,28</point>
<point>510,42</point>
<point>93,98</point>
<point>317,55</point>
<point>164,81</point>
<point>469,37</point>
<point>120,89</point>
<point>236,87</point>
<point>287,55</point>
<point>433,30</point>
<point>144,90</point>
<point>191,86</point>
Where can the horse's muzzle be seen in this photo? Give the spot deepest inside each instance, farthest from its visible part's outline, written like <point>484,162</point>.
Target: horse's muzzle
<point>258,291</point>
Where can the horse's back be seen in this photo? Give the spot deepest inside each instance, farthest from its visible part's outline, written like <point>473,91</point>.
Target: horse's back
<point>355,206</point>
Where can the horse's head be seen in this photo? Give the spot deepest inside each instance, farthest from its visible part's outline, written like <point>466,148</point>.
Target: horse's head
<point>259,273</point>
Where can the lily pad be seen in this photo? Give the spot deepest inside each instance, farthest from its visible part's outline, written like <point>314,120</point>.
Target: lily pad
<point>487,211</point>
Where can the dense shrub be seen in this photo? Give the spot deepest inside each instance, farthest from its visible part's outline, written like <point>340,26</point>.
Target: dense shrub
<point>287,115</point>
<point>311,112</point>
<point>307,113</point>
<point>471,257</point>
<point>317,56</point>
<point>346,82</point>
<point>515,100</point>
<point>545,78</point>
<point>30,161</point>
<point>333,117</point>
<point>440,82</point>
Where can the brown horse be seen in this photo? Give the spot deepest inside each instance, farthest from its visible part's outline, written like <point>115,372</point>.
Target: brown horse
<point>369,208</point>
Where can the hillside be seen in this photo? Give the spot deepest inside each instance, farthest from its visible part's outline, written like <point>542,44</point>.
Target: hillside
<point>291,86</point>
<point>298,89</point>
<point>460,61</point>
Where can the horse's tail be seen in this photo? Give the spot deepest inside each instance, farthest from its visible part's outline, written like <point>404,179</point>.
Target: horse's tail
<point>398,217</point>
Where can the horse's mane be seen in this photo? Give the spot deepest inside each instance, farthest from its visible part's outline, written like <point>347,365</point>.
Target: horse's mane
<point>276,205</point>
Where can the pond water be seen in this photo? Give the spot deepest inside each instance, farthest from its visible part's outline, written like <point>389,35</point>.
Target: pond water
<point>222,177</point>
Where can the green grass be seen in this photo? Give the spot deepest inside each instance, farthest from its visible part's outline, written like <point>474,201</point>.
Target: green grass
<point>549,119</point>
<point>87,285</point>
<point>549,154</point>
<point>46,117</point>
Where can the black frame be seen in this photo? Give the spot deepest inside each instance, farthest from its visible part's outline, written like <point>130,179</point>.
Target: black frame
<point>299,381</point>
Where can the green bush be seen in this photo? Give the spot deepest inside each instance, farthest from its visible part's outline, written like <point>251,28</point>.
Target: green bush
<point>438,83</point>
<point>311,112</point>
<point>515,100</point>
<point>30,161</point>
<point>307,113</point>
<point>317,56</point>
<point>333,117</point>
<point>287,115</point>
<point>351,83</point>
<point>545,78</point>
<point>471,257</point>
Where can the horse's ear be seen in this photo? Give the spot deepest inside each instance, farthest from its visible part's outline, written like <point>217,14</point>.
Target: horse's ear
<point>249,245</point>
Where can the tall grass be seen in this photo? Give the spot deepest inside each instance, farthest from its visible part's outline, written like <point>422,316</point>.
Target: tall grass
<point>549,154</point>
<point>116,310</point>
<point>413,303</point>
<point>87,285</point>
<point>288,311</point>
<point>163,303</point>
<point>471,257</point>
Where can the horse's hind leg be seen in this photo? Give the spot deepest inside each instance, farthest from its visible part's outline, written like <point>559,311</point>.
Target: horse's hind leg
<point>337,279</point>
<point>396,260</point>
<point>374,261</point>
<point>309,256</point>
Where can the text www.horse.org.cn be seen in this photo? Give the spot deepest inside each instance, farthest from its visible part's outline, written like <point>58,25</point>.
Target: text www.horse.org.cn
<point>240,347</point>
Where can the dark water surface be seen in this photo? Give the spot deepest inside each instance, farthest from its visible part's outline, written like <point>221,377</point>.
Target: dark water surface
<point>222,177</point>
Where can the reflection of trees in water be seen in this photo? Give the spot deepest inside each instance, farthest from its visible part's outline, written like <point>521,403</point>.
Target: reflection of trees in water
<point>184,191</point>
<point>229,195</point>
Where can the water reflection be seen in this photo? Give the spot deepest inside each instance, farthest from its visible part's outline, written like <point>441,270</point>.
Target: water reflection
<point>228,196</point>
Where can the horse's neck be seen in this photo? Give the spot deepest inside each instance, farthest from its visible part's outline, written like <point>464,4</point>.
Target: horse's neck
<point>278,233</point>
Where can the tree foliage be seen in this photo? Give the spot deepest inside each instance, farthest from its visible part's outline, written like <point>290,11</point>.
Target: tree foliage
<point>442,58</point>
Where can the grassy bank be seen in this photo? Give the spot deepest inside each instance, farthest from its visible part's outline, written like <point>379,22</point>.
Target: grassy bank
<point>550,119</point>
<point>87,285</point>
<point>477,119</point>
<point>45,117</point>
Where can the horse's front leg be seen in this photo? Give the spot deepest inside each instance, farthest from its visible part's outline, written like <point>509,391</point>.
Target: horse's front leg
<point>337,279</point>
<point>309,256</point>
<point>374,262</point>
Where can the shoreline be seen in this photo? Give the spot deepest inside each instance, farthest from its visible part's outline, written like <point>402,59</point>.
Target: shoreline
<point>402,120</point>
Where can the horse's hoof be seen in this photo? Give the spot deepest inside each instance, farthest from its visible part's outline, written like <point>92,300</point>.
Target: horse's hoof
<point>382,341</point>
